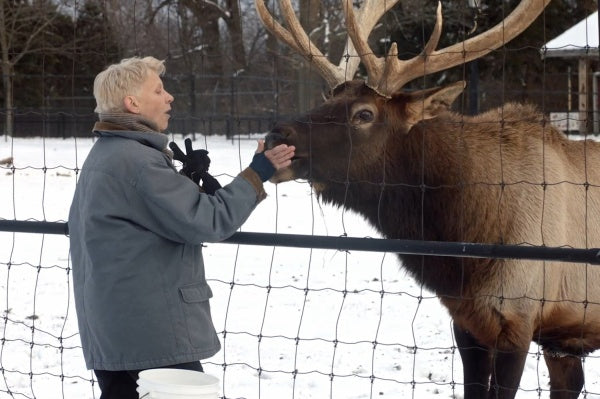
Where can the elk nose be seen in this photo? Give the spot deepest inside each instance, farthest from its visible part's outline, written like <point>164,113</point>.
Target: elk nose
<point>275,137</point>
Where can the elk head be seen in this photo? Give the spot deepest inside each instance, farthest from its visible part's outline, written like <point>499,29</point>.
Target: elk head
<point>346,134</point>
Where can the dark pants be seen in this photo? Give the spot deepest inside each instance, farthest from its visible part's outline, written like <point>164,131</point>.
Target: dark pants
<point>123,384</point>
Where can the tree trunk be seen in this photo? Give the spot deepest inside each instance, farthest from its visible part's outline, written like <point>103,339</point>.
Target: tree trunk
<point>234,23</point>
<point>273,50</point>
<point>211,38</point>
<point>308,89</point>
<point>7,72</point>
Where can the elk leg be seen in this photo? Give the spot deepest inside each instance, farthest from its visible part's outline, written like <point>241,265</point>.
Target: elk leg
<point>566,375</point>
<point>506,373</point>
<point>477,364</point>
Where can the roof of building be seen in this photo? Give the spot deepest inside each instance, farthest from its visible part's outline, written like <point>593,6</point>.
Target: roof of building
<point>581,40</point>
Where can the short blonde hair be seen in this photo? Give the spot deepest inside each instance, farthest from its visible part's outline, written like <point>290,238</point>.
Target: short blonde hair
<point>117,81</point>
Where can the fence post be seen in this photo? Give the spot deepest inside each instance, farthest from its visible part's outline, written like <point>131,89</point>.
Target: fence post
<point>229,128</point>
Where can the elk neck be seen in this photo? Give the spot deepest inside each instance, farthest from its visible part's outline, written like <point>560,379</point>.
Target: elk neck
<point>412,190</point>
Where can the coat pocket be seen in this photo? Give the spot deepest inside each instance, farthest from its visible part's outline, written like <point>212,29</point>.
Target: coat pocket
<point>196,310</point>
<point>196,292</point>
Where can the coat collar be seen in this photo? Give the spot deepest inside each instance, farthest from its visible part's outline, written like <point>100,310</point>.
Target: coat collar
<point>153,139</point>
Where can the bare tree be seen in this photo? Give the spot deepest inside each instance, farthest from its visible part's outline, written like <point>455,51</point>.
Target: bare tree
<point>199,28</point>
<point>22,23</point>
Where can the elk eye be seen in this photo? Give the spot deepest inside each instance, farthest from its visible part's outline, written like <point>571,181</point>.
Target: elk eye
<point>365,116</point>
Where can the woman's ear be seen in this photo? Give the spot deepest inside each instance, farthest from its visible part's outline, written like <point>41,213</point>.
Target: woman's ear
<point>131,105</point>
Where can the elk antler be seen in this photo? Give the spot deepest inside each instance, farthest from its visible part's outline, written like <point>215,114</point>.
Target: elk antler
<point>298,40</point>
<point>388,74</point>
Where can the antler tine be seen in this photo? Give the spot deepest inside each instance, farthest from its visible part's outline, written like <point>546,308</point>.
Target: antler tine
<point>396,73</point>
<point>394,70</point>
<point>437,32</point>
<point>298,40</point>
<point>358,33</point>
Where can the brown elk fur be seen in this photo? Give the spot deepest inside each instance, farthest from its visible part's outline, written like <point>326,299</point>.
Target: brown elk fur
<point>420,171</point>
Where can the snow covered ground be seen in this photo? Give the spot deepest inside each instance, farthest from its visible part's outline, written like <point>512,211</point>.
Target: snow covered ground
<point>294,323</point>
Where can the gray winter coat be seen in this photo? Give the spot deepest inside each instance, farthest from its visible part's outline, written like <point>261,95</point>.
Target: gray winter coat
<point>136,229</point>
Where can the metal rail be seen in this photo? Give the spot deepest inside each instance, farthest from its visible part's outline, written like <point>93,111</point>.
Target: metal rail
<point>408,247</point>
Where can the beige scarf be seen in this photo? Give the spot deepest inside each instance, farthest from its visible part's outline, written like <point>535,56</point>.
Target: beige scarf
<point>133,122</point>
<point>130,121</point>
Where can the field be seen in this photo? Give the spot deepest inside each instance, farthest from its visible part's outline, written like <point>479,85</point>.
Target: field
<point>294,323</point>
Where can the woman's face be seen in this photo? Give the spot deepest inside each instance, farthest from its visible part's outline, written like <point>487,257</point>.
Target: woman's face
<point>154,102</point>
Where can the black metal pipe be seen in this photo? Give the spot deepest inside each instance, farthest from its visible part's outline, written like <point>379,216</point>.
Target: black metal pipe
<point>407,247</point>
<point>415,247</point>
<point>27,226</point>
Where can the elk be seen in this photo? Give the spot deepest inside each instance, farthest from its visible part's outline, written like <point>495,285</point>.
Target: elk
<point>415,169</point>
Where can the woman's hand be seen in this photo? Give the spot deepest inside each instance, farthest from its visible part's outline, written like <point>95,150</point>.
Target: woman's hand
<point>280,156</point>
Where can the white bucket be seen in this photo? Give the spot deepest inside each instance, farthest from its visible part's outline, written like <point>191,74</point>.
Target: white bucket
<point>177,384</point>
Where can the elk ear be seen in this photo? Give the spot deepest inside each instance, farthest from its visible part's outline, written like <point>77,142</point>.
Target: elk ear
<point>427,104</point>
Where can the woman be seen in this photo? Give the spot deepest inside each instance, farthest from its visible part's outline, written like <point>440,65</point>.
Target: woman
<point>136,229</point>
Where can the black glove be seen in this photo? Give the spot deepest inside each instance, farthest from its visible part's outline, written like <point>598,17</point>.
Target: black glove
<point>209,184</point>
<point>195,162</point>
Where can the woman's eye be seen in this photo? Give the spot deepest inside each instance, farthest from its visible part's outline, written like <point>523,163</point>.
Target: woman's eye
<point>365,116</point>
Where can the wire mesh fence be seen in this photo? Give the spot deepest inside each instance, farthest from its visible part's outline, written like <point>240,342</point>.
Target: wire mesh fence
<point>309,300</point>
<point>294,322</point>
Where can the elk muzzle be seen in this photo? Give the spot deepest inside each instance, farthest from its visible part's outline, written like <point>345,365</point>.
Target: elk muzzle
<point>275,137</point>
<point>282,134</point>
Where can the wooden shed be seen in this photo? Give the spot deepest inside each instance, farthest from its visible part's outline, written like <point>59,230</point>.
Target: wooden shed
<point>581,42</point>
